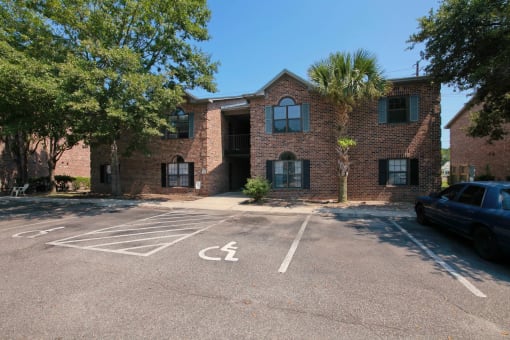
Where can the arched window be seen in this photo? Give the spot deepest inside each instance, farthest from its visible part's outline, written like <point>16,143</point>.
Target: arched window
<point>180,121</point>
<point>288,172</point>
<point>287,116</point>
<point>179,173</point>
<point>287,156</point>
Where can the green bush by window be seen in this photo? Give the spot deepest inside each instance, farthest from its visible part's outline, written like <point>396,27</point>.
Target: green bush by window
<point>256,188</point>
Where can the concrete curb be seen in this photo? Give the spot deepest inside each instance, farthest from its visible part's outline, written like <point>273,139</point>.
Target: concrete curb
<point>238,203</point>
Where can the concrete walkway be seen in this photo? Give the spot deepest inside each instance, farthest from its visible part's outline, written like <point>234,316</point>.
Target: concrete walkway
<point>239,202</point>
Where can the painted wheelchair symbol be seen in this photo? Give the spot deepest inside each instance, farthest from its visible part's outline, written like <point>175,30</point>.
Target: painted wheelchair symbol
<point>229,248</point>
<point>35,233</point>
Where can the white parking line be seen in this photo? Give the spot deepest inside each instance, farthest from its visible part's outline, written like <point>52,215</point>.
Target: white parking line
<point>443,264</point>
<point>293,247</point>
<point>55,222</point>
<point>152,233</point>
<point>128,235</point>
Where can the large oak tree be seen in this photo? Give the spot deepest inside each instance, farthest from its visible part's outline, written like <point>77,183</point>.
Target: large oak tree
<point>467,45</point>
<point>123,64</point>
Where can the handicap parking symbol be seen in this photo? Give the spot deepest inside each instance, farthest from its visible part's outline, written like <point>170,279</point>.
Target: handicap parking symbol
<point>229,248</point>
<point>35,233</point>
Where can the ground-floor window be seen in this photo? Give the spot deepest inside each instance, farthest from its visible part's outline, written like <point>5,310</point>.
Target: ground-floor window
<point>400,171</point>
<point>177,174</point>
<point>287,172</point>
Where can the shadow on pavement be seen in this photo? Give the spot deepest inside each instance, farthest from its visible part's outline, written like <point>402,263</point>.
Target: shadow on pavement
<point>455,250</point>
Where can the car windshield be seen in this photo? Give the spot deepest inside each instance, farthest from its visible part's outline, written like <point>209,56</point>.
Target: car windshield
<point>505,199</point>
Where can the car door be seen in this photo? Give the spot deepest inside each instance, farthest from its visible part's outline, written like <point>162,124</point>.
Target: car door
<point>466,208</point>
<point>439,208</point>
<point>502,218</point>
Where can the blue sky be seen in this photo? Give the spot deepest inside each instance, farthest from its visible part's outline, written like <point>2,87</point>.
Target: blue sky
<point>255,40</point>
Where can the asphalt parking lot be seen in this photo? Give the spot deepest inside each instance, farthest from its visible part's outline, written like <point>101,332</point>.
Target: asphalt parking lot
<point>83,270</point>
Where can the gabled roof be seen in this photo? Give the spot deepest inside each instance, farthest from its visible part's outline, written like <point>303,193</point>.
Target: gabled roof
<point>278,76</point>
<point>464,109</point>
<point>294,76</point>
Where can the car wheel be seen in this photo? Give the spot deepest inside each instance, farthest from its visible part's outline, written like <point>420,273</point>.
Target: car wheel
<point>420,215</point>
<point>485,243</point>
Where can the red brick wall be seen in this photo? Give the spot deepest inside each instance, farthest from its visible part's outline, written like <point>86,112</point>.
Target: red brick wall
<point>74,162</point>
<point>465,150</point>
<point>376,141</point>
<point>421,140</point>
<point>141,173</point>
<point>316,145</point>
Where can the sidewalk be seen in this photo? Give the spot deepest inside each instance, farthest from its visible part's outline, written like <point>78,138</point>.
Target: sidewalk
<point>240,202</point>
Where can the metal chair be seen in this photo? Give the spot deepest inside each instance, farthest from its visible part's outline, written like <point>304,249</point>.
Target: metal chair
<point>19,190</point>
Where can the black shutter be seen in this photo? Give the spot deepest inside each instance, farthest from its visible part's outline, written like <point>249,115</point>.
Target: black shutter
<point>305,111</point>
<point>268,112</point>
<point>191,125</point>
<point>383,171</point>
<point>102,173</point>
<point>191,174</point>
<point>414,172</point>
<point>269,172</point>
<point>306,174</point>
<point>163,174</point>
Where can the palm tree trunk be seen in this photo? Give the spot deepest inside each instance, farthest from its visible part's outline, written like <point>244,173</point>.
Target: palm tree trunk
<point>342,189</point>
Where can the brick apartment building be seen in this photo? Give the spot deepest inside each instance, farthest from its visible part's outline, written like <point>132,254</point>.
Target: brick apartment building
<point>286,132</point>
<point>476,153</point>
<point>74,162</point>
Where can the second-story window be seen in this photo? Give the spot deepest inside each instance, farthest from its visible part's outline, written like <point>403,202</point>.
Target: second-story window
<point>287,116</point>
<point>398,109</point>
<point>179,120</point>
<point>182,125</point>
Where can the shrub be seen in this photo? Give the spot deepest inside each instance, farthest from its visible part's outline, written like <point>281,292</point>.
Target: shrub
<point>256,188</point>
<point>38,184</point>
<point>81,183</point>
<point>62,182</point>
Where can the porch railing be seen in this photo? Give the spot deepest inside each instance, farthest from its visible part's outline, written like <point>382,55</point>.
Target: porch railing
<point>238,143</point>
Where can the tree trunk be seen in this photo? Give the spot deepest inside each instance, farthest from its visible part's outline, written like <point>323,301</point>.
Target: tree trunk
<point>342,189</point>
<point>51,175</point>
<point>116,190</point>
<point>23,158</point>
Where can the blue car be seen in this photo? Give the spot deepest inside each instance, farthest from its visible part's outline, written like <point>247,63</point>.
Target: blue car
<point>479,211</point>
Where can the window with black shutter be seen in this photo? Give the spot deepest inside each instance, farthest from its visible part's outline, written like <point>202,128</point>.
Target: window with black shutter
<point>401,171</point>
<point>178,174</point>
<point>287,172</point>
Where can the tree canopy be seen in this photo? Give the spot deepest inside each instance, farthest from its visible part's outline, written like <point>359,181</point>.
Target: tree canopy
<point>467,45</point>
<point>118,66</point>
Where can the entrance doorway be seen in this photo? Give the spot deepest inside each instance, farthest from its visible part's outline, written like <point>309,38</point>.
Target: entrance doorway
<point>238,172</point>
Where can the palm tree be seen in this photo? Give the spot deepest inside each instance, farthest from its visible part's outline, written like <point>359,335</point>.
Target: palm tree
<point>346,80</point>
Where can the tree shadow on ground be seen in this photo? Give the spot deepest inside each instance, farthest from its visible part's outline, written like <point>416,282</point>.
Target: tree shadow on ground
<point>52,210</point>
<point>455,250</point>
